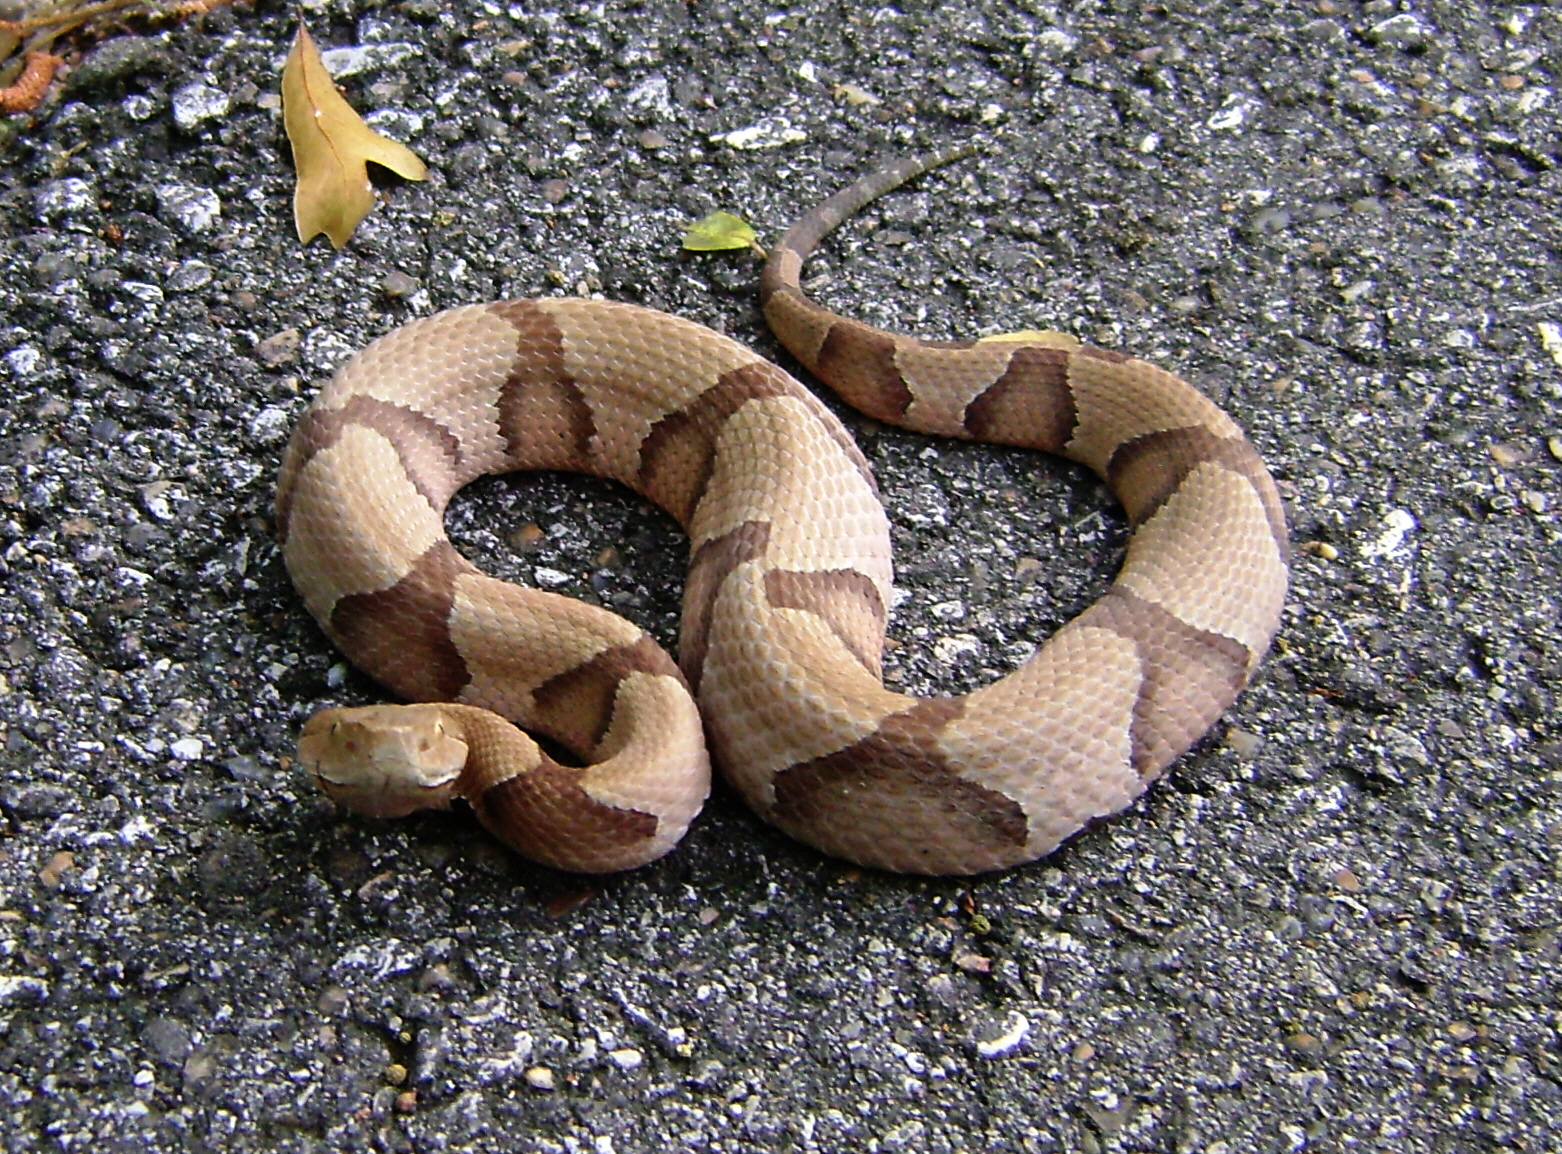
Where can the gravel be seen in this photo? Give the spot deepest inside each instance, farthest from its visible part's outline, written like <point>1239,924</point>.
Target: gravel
<point>1333,927</point>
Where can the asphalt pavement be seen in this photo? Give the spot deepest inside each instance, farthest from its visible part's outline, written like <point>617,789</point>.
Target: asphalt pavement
<point>1333,926</point>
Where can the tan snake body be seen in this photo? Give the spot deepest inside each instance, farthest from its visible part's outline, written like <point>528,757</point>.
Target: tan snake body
<point>788,583</point>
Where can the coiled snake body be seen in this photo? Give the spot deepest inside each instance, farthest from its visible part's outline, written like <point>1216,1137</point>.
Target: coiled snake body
<point>788,583</point>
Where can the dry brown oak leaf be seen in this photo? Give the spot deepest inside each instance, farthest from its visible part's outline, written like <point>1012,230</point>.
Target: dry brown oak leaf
<point>331,145</point>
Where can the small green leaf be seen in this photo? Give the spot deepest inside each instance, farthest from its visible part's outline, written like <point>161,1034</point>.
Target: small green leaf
<point>719,232</point>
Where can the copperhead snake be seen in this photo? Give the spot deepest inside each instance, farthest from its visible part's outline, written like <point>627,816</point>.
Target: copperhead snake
<point>788,583</point>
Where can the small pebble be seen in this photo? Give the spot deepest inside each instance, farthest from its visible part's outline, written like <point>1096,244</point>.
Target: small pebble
<point>195,103</point>
<point>1506,454</point>
<point>1243,743</point>
<point>398,284</point>
<point>1304,1043</point>
<point>279,348</point>
<point>1015,1030</point>
<point>52,873</point>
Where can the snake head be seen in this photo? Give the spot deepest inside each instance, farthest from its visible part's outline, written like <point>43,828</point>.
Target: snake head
<point>383,760</point>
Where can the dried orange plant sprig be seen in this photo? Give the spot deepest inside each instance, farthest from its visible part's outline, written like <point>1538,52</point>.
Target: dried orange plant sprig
<point>36,36</point>
<point>66,18</point>
<point>24,95</point>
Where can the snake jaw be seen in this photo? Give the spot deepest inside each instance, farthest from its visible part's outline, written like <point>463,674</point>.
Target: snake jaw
<point>383,760</point>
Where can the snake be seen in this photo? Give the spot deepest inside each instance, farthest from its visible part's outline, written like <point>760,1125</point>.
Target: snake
<point>578,741</point>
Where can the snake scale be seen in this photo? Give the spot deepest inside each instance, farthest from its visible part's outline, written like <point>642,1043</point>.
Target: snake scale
<point>788,584</point>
